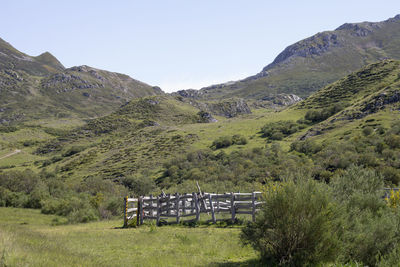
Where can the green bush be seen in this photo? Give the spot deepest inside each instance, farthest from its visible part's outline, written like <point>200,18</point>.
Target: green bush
<point>391,259</point>
<point>19,181</point>
<point>318,115</point>
<point>367,130</point>
<point>307,147</point>
<point>280,129</point>
<point>226,141</point>
<point>238,139</point>
<point>140,185</point>
<point>82,215</point>
<point>372,227</point>
<point>12,199</point>
<point>77,209</point>
<point>393,141</point>
<point>222,142</point>
<point>299,225</point>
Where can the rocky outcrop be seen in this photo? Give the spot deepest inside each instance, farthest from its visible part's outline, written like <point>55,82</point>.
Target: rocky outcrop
<point>283,99</point>
<point>380,101</point>
<point>229,108</point>
<point>206,117</point>
<point>314,45</point>
<point>359,29</point>
<point>65,82</point>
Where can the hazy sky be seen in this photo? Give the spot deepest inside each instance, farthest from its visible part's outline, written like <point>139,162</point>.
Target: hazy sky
<point>176,44</point>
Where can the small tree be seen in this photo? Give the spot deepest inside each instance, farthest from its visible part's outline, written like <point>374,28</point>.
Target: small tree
<point>299,224</point>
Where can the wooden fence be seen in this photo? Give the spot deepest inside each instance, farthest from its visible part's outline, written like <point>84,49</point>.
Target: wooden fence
<point>188,207</point>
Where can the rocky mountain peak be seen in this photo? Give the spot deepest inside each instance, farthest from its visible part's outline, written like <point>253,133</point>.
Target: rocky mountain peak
<point>314,45</point>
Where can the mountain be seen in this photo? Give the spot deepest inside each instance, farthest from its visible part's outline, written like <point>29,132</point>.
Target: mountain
<point>312,63</point>
<point>12,59</point>
<point>41,87</point>
<point>139,138</point>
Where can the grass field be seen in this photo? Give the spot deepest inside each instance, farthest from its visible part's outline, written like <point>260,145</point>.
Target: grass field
<point>28,238</point>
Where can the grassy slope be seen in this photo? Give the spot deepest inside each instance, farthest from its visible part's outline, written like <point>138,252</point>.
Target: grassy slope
<point>27,238</point>
<point>362,93</point>
<point>130,147</point>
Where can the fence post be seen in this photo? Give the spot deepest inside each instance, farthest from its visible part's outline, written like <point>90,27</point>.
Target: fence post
<point>253,206</point>
<point>126,211</point>
<point>158,211</point>
<point>151,211</point>
<point>212,208</point>
<point>177,201</point>
<point>138,212</point>
<point>217,203</point>
<point>184,204</point>
<point>168,204</point>
<point>140,201</point>
<point>196,205</point>
<point>192,209</point>
<point>233,210</point>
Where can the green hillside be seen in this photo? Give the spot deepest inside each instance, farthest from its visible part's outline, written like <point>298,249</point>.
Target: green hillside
<point>341,145</point>
<point>148,136</point>
<point>34,88</point>
<point>314,62</point>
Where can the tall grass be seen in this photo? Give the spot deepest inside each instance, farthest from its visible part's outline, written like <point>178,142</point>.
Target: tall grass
<point>28,239</point>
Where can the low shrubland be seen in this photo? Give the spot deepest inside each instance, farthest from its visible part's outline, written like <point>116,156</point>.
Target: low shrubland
<point>306,222</point>
<point>92,199</point>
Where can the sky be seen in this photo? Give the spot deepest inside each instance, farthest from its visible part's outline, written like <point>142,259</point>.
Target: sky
<point>176,44</point>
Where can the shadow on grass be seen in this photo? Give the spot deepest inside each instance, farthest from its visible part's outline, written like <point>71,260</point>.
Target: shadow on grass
<point>248,263</point>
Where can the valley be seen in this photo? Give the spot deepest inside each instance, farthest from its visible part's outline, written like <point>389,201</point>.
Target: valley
<point>75,141</point>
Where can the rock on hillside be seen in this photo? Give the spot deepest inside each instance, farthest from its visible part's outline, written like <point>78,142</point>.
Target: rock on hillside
<point>228,108</point>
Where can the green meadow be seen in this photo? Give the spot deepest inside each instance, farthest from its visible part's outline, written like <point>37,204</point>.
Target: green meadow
<point>29,238</point>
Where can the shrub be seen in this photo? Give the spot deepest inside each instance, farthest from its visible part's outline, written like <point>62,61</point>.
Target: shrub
<point>299,225</point>
<point>393,141</point>
<point>76,208</point>
<point>19,181</point>
<point>280,129</point>
<point>82,215</point>
<point>318,115</point>
<point>367,130</point>
<point>391,175</point>
<point>391,259</point>
<point>140,184</point>
<point>372,226</point>
<point>12,199</point>
<point>238,139</point>
<point>222,142</point>
<point>226,141</point>
<point>307,147</point>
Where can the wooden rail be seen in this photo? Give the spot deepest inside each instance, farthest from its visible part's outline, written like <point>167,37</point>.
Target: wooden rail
<point>188,207</point>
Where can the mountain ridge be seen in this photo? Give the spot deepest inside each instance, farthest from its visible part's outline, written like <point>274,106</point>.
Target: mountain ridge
<point>41,87</point>
<point>311,63</point>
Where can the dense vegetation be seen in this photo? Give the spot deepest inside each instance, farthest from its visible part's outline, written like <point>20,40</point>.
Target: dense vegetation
<point>89,200</point>
<point>305,222</point>
<point>379,149</point>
